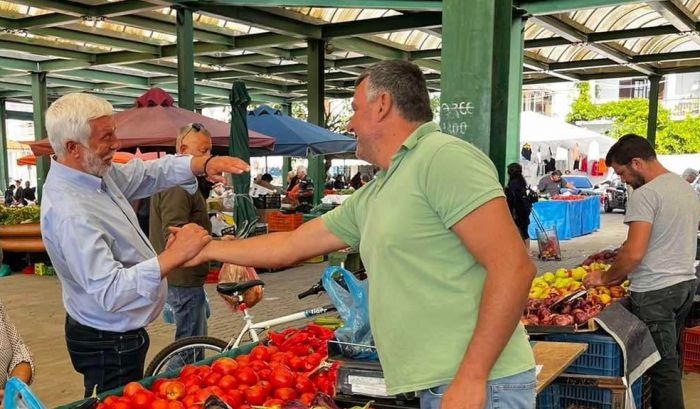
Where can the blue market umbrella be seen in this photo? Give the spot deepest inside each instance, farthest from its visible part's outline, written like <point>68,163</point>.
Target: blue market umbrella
<point>245,211</point>
<point>296,138</point>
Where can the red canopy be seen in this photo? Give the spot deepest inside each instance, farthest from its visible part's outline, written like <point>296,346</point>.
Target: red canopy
<point>154,122</point>
<point>119,157</point>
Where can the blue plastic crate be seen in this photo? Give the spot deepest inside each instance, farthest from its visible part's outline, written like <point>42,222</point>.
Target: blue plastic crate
<point>603,356</point>
<point>548,398</point>
<point>600,398</point>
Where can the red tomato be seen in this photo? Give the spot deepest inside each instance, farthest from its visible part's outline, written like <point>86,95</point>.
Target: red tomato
<point>121,405</point>
<point>190,380</point>
<point>192,389</point>
<point>175,404</point>
<point>234,401</point>
<point>109,400</point>
<point>187,370</point>
<point>215,390</point>
<point>266,386</point>
<point>159,403</point>
<point>278,357</point>
<point>260,353</point>
<point>255,395</point>
<point>212,379</point>
<point>155,386</point>
<point>258,365</point>
<point>273,403</point>
<point>285,394</point>
<point>271,349</point>
<point>243,359</point>
<point>307,398</point>
<point>190,400</point>
<point>195,407</point>
<point>296,363</point>
<point>202,395</point>
<point>203,371</point>
<point>247,376</point>
<point>228,382</point>
<point>244,407</point>
<point>303,384</point>
<point>175,390</point>
<point>131,388</point>
<point>264,374</point>
<point>142,399</point>
<point>242,388</point>
<point>281,378</point>
<point>225,366</point>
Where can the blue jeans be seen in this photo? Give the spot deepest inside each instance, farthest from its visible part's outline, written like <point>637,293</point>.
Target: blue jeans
<point>190,310</point>
<point>511,392</point>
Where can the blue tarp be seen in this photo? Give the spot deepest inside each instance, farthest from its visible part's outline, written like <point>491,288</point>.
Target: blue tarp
<point>294,137</point>
<point>570,218</point>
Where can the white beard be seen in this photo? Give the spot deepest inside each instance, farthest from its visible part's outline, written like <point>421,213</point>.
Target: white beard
<point>94,165</point>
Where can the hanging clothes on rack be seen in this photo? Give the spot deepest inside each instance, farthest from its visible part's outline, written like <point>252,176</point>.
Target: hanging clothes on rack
<point>584,163</point>
<point>550,164</point>
<point>576,157</point>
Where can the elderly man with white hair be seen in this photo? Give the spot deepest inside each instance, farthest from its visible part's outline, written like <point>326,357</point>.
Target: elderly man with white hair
<point>691,176</point>
<point>113,281</point>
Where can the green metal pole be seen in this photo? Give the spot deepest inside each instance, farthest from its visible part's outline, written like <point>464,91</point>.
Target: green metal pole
<point>286,161</point>
<point>4,172</point>
<point>315,91</point>
<point>653,108</point>
<point>185,58</point>
<point>477,84</point>
<point>40,104</point>
<point>512,140</point>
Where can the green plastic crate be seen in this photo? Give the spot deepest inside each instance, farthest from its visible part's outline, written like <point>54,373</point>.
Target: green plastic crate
<point>147,382</point>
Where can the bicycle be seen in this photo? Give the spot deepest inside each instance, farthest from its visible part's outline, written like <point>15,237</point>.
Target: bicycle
<point>193,349</point>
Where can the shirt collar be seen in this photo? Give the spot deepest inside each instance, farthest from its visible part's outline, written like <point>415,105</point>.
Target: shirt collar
<point>419,133</point>
<point>75,177</point>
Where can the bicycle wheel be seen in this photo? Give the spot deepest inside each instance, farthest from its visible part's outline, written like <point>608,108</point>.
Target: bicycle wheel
<point>185,351</point>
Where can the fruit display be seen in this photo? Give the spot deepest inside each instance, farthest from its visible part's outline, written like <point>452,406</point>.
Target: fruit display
<point>568,198</point>
<point>289,373</point>
<point>549,288</point>
<point>19,215</point>
<point>603,256</point>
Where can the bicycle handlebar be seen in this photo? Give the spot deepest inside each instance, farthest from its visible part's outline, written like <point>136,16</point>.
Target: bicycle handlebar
<point>318,287</point>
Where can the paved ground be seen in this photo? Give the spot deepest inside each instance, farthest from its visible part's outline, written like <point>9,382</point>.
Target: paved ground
<point>34,303</point>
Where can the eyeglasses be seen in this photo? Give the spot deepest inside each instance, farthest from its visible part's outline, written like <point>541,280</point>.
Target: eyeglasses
<point>194,126</point>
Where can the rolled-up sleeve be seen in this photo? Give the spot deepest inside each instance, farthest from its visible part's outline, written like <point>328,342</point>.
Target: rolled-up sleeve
<point>138,179</point>
<point>20,352</point>
<point>113,286</point>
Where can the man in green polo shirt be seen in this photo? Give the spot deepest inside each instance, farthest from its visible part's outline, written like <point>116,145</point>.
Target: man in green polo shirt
<point>448,275</point>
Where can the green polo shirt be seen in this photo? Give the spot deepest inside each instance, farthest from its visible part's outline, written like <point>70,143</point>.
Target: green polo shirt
<point>424,286</point>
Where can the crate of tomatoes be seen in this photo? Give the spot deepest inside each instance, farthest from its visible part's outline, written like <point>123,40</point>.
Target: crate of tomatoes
<point>289,372</point>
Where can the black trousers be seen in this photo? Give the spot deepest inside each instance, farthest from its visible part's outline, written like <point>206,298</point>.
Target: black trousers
<point>664,311</point>
<point>106,359</point>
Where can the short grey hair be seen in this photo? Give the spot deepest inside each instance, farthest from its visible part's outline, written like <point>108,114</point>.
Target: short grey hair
<point>186,130</point>
<point>301,169</point>
<point>690,175</point>
<point>405,83</point>
<point>68,119</point>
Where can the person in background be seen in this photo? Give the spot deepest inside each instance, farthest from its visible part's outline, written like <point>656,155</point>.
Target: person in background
<point>266,181</point>
<point>19,193</point>
<point>10,195</point>
<point>691,176</point>
<point>113,281</point>
<point>305,193</point>
<point>518,201</point>
<point>292,180</point>
<point>15,359</point>
<point>658,258</point>
<point>440,252</point>
<point>338,183</point>
<point>176,207</point>
<point>356,181</point>
<point>365,179</point>
<point>29,192</point>
<point>552,183</point>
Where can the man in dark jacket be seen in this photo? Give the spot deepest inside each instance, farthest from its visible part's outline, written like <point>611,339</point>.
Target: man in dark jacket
<point>176,207</point>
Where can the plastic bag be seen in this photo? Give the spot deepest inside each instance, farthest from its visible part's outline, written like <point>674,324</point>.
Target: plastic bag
<point>19,396</point>
<point>231,273</point>
<point>355,337</point>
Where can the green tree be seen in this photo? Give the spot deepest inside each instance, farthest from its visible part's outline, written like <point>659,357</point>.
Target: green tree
<point>630,116</point>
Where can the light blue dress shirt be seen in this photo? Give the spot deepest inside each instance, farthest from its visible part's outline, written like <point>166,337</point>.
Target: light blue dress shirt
<point>107,267</point>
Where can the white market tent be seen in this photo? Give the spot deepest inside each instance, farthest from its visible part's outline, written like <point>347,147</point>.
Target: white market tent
<point>543,132</point>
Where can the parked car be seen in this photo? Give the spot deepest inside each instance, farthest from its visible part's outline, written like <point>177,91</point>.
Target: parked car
<point>582,185</point>
<point>615,196</point>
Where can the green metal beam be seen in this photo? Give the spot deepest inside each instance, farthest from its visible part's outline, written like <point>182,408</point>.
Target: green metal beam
<point>45,21</point>
<point>263,19</point>
<point>677,14</point>
<point>15,64</point>
<point>40,104</point>
<point>653,108</point>
<point>315,103</point>
<point>123,57</point>
<point>185,58</point>
<point>63,6</point>
<point>98,39</point>
<point>370,48</point>
<point>169,28</point>
<point>104,10</point>
<point>243,59</point>
<point>4,172</point>
<point>433,5</point>
<point>110,77</point>
<point>154,68</point>
<point>19,116</point>
<point>33,46</point>
<point>62,65</point>
<point>382,25</point>
<point>542,7</point>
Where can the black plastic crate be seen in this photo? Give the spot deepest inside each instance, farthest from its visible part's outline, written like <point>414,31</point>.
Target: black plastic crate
<point>271,201</point>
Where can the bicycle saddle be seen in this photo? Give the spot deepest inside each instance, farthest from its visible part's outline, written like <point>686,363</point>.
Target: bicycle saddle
<point>235,288</point>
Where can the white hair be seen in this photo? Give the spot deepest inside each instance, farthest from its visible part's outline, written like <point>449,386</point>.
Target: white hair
<point>690,175</point>
<point>68,119</point>
<point>301,169</point>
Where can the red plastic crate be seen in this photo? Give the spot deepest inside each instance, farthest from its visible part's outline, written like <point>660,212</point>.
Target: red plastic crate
<point>279,221</point>
<point>691,350</point>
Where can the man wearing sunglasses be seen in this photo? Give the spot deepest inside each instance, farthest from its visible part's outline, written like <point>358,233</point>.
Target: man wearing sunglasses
<point>113,281</point>
<point>177,207</point>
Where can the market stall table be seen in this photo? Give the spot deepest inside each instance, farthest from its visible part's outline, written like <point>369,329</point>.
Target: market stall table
<point>572,218</point>
<point>554,357</point>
